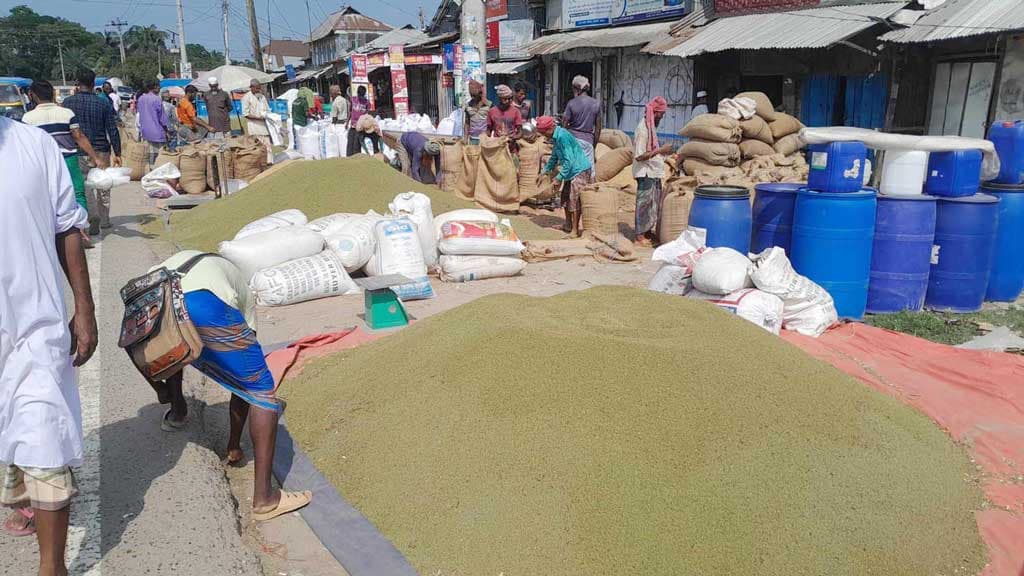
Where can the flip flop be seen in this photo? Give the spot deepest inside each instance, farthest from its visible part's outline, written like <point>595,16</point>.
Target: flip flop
<point>168,425</point>
<point>29,528</point>
<point>290,502</point>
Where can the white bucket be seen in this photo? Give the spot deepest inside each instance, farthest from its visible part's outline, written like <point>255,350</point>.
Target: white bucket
<point>904,172</point>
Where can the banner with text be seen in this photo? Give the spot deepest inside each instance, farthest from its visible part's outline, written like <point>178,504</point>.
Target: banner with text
<point>515,36</point>
<point>589,13</point>
<point>359,69</point>
<point>399,83</point>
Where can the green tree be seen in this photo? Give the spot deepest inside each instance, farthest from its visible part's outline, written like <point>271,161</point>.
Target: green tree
<point>29,44</point>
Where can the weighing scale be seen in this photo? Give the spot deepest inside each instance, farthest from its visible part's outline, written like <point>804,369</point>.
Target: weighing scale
<point>383,308</point>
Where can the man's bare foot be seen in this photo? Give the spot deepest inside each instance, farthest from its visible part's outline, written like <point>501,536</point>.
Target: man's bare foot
<point>19,523</point>
<point>235,457</point>
<point>643,242</point>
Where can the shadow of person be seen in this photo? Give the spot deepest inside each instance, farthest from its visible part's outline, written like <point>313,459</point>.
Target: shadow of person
<point>130,226</point>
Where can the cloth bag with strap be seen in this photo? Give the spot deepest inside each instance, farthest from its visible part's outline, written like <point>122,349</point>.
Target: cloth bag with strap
<point>157,332</point>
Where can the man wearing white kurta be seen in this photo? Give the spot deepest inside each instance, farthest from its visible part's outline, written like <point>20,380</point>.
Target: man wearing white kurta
<point>40,412</point>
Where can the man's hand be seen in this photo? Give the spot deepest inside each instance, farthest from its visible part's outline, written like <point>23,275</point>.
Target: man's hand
<point>84,336</point>
<point>115,160</point>
<point>666,149</point>
<point>100,162</point>
<point>540,179</point>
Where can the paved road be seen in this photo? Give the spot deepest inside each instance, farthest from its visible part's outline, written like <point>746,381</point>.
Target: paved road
<point>151,503</point>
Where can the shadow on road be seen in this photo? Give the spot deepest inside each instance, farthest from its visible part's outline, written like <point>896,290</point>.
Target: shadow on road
<point>130,226</point>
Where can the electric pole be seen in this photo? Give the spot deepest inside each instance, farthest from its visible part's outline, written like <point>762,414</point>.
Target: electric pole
<point>254,30</point>
<point>118,24</point>
<point>227,43</point>
<point>423,22</point>
<point>474,33</point>
<point>60,50</point>
<point>309,22</point>
<point>186,70</point>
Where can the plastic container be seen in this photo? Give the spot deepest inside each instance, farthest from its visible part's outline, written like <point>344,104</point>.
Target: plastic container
<point>965,240</point>
<point>902,253</point>
<point>1006,280</point>
<point>773,216</point>
<point>954,174</point>
<point>837,167</point>
<point>1009,140</point>
<point>904,173</point>
<point>833,235</point>
<point>723,214</point>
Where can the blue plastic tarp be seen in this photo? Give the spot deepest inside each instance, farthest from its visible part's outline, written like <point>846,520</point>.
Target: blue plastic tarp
<point>16,80</point>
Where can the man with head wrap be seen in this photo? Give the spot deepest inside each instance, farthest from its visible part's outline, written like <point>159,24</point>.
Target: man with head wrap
<point>424,158</point>
<point>582,116</point>
<point>475,113</point>
<point>649,169</point>
<point>575,172</point>
<point>504,119</point>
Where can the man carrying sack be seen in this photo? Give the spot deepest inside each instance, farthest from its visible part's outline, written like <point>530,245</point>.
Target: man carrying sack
<point>576,170</point>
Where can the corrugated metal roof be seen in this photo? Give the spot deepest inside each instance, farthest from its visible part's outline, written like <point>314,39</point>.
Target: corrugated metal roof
<point>813,28</point>
<point>680,32</point>
<point>502,68</point>
<point>348,20</point>
<point>962,18</point>
<point>617,37</point>
<point>401,36</point>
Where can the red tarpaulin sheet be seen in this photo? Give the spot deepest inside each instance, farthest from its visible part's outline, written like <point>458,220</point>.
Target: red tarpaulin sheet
<point>978,397</point>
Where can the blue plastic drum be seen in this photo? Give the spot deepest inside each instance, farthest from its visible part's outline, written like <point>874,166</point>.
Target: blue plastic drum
<point>773,216</point>
<point>902,254</point>
<point>833,235</point>
<point>1006,280</point>
<point>965,241</point>
<point>723,212</point>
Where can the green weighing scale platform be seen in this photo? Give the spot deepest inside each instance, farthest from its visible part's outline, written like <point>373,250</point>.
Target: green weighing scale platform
<point>383,308</point>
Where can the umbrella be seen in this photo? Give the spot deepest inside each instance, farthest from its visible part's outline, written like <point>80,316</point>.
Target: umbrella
<point>233,78</point>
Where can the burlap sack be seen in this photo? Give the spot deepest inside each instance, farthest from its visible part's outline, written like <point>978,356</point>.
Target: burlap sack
<point>249,162</point>
<point>755,148</point>
<point>675,209</point>
<point>193,170</point>
<point>612,163</point>
<point>467,177</point>
<point>167,157</point>
<point>765,109</point>
<point>451,165</point>
<point>600,209</point>
<point>496,186</point>
<point>134,158</point>
<point>716,153</point>
<point>713,128</point>
<point>789,144</point>
<point>615,139</point>
<point>548,188</point>
<point>784,125</point>
<point>624,180</point>
<point>530,154</point>
<point>600,151</point>
<point>757,129</point>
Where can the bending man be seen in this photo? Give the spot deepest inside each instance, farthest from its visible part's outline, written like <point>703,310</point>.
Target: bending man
<point>576,170</point>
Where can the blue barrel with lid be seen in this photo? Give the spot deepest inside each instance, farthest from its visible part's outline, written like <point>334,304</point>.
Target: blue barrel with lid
<point>1006,280</point>
<point>723,213</point>
<point>1009,140</point>
<point>837,167</point>
<point>902,253</point>
<point>773,216</point>
<point>965,241</point>
<point>833,236</point>
<point>954,174</point>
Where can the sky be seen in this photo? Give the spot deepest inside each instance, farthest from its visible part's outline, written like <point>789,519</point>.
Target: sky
<point>203,18</point>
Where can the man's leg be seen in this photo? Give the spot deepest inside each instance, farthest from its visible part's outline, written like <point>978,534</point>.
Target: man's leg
<point>263,431</point>
<point>239,412</point>
<point>567,206</point>
<point>52,532</point>
<point>92,204</point>
<point>179,406</point>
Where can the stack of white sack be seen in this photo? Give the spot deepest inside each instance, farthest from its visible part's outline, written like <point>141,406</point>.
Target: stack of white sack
<point>474,245</point>
<point>417,208</point>
<point>333,140</point>
<point>261,250</point>
<point>302,279</point>
<point>677,261</point>
<point>809,308</point>
<point>350,236</point>
<point>289,217</point>
<point>399,252</point>
<point>307,139</point>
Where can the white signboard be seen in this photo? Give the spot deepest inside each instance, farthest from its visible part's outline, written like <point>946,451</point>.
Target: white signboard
<point>515,36</point>
<point>589,13</point>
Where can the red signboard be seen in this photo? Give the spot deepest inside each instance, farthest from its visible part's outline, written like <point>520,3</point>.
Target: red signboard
<point>360,70</point>
<point>736,7</point>
<point>399,82</point>
<point>422,59</point>
<point>497,10</point>
<point>493,36</point>
<point>377,60</point>
<point>448,80</point>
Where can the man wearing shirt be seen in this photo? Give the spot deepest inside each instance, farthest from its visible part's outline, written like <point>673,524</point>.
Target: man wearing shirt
<point>115,98</point>
<point>424,158</point>
<point>575,170</point>
<point>97,121</point>
<point>190,122</point>
<point>152,121</point>
<point>339,106</point>
<point>255,108</point>
<point>218,110</point>
<point>583,116</point>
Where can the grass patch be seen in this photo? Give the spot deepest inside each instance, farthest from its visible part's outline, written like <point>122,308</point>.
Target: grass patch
<point>947,328</point>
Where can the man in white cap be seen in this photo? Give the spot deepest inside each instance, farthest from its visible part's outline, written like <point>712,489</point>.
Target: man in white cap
<point>700,104</point>
<point>582,116</point>
<point>218,110</point>
<point>255,108</point>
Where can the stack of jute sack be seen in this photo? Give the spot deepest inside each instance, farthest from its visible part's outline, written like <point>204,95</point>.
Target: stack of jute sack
<point>713,140</point>
<point>488,175</point>
<point>475,245</point>
<point>614,161</point>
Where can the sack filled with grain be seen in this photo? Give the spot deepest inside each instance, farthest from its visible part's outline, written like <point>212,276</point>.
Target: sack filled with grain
<point>168,157</point>
<point>755,148</point>
<point>615,139</point>
<point>716,153</point>
<point>675,209</point>
<point>249,159</point>
<point>757,129</point>
<point>789,144</point>
<point>624,181</point>
<point>193,170</point>
<point>548,188</point>
<point>467,176</point>
<point>784,125</point>
<point>600,151</point>
<point>496,185</point>
<point>713,128</point>
<point>530,154</point>
<point>451,165</point>
<point>765,109</point>
<point>695,167</point>
<point>135,158</point>
<point>612,163</point>
<point>600,209</point>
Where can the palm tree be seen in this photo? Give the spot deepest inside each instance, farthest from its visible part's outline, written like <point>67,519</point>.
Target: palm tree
<point>145,40</point>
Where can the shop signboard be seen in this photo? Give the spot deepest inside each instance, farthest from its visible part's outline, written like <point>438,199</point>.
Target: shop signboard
<point>377,60</point>
<point>422,59</point>
<point>359,69</point>
<point>590,13</point>
<point>449,57</point>
<point>399,82</point>
<point>496,10</point>
<point>493,35</point>
<point>516,35</point>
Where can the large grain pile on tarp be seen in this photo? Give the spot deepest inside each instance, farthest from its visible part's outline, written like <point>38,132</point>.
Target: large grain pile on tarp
<point>618,431</point>
<point>317,188</point>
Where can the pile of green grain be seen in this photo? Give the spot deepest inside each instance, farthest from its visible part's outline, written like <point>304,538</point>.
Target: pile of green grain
<point>618,431</point>
<point>318,188</point>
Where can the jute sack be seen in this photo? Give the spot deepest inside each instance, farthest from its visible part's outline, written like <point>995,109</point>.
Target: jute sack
<point>193,170</point>
<point>497,187</point>
<point>789,144</point>
<point>757,129</point>
<point>615,139</point>
<point>209,152</point>
<point>135,158</point>
<point>167,157</point>
<point>716,153</point>
<point>600,209</point>
<point>249,160</point>
<point>547,189</point>
<point>784,125</point>
<point>755,148</point>
<point>530,154</point>
<point>451,165</point>
<point>765,109</point>
<point>600,151</point>
<point>467,177</point>
<point>612,163</point>
<point>713,128</point>
<point>675,209</point>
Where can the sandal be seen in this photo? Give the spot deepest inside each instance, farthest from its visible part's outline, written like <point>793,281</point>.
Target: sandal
<point>290,502</point>
<point>29,528</point>
<point>168,425</point>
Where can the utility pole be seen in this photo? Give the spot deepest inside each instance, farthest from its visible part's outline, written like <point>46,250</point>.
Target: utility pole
<point>60,50</point>
<point>186,70</point>
<point>423,21</point>
<point>254,30</point>
<point>474,32</point>
<point>118,24</point>
<point>309,22</point>
<point>227,43</point>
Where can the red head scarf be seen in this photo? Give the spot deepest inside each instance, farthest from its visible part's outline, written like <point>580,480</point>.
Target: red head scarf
<point>658,104</point>
<point>545,123</point>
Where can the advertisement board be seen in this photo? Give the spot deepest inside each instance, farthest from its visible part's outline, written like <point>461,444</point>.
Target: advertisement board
<point>399,82</point>
<point>359,69</point>
<point>515,36</point>
<point>493,36</point>
<point>589,13</point>
<point>496,10</point>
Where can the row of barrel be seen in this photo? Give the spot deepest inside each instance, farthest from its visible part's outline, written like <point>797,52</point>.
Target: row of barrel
<point>880,253</point>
